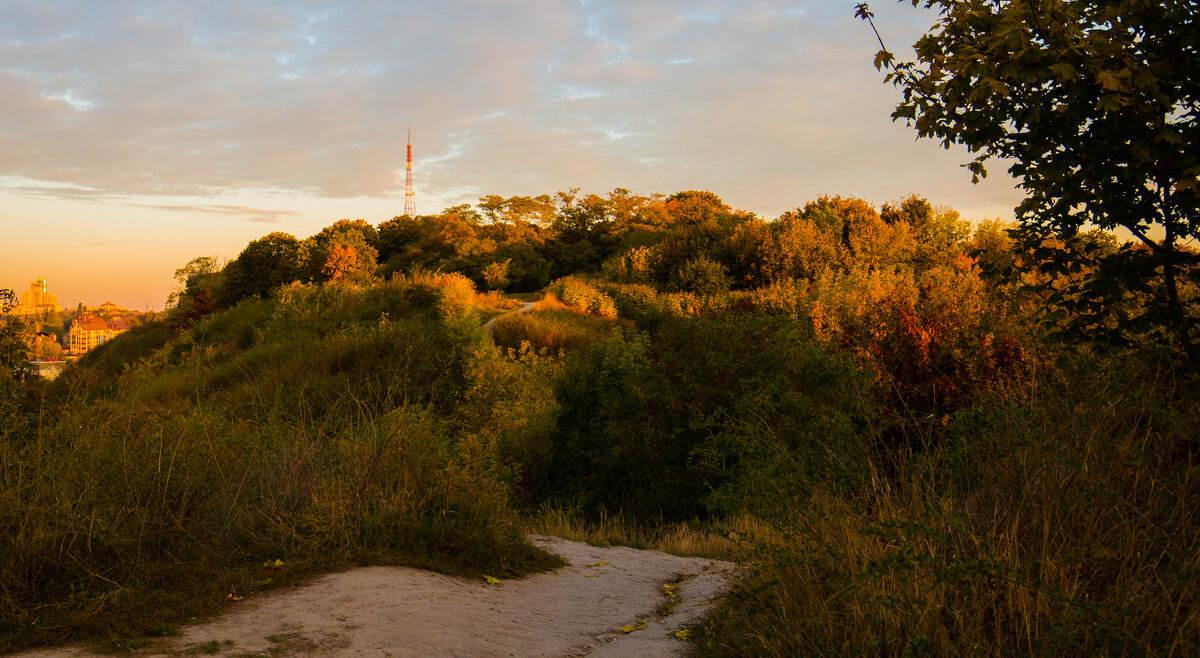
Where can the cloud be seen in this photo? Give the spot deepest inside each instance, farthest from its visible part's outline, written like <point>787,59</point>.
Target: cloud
<point>74,193</point>
<point>64,192</point>
<point>157,98</point>
<point>253,214</point>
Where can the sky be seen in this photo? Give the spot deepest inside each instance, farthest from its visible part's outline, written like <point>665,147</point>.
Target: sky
<point>136,135</point>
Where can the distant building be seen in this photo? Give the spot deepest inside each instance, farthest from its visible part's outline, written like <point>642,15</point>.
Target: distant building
<point>37,300</point>
<point>89,331</point>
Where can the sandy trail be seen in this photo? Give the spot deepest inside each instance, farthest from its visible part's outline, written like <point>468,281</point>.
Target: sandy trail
<point>577,610</point>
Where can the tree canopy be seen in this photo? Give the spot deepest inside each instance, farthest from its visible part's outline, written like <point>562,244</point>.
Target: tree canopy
<point>1094,103</point>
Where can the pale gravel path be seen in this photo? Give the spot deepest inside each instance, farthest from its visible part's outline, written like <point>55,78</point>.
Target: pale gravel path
<point>396,611</point>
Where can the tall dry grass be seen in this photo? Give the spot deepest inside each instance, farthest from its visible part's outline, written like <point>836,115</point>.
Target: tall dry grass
<point>723,540</point>
<point>1069,525</point>
<point>553,326</point>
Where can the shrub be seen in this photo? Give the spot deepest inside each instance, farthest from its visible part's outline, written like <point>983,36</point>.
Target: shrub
<point>581,295</point>
<point>932,341</point>
<point>699,418</point>
<point>631,266</point>
<point>700,275</point>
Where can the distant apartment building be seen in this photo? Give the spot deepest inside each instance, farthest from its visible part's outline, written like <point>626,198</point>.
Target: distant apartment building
<point>37,300</point>
<point>89,331</point>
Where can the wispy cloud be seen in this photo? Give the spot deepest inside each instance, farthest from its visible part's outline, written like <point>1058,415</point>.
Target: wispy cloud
<point>157,98</point>
<point>253,214</point>
<point>73,193</point>
<point>66,192</point>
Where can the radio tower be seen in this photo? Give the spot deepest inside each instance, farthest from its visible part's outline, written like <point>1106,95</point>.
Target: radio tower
<point>410,196</point>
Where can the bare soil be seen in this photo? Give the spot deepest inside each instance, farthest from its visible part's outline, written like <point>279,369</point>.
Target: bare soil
<point>578,610</point>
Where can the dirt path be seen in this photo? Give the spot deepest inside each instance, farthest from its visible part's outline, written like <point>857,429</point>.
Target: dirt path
<point>578,610</point>
<point>488,326</point>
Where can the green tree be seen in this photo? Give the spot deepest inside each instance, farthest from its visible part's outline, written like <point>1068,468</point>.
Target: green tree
<point>1095,104</point>
<point>700,225</point>
<point>198,286</point>
<point>700,275</point>
<point>345,250</point>
<point>265,264</point>
<point>13,351</point>
<point>14,366</point>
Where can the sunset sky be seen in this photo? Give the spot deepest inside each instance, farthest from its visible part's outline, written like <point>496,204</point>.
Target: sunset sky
<point>136,135</point>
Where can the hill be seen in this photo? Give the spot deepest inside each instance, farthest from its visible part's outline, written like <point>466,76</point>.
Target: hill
<point>924,436</point>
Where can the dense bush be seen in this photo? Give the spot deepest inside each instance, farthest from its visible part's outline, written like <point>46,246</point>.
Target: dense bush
<point>708,411</point>
<point>581,295</point>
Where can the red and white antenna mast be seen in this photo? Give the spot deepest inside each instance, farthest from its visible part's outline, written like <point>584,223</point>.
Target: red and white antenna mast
<point>410,196</point>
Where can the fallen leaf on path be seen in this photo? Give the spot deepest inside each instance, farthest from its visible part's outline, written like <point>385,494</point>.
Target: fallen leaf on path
<point>491,581</point>
<point>629,628</point>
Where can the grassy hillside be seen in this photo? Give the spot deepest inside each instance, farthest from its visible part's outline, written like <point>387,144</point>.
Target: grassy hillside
<point>327,426</point>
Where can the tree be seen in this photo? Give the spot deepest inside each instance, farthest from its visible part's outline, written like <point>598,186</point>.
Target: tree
<point>700,275</point>
<point>1095,104</point>
<point>198,284</point>
<point>267,263</point>
<point>700,224</point>
<point>13,350</point>
<point>14,362</point>
<point>344,251</point>
<point>495,274</point>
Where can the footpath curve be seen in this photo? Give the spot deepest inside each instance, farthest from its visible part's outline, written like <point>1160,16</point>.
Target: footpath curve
<point>577,610</point>
<point>490,325</point>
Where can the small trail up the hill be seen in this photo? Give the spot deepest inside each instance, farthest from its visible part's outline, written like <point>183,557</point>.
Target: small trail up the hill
<point>490,324</point>
<point>609,601</point>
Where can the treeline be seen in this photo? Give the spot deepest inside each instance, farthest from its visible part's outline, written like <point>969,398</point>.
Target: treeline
<point>1086,288</point>
<point>689,241</point>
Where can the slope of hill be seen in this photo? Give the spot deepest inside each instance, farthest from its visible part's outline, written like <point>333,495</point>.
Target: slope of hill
<point>326,426</point>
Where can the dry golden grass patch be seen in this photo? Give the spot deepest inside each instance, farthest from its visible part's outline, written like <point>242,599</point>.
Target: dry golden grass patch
<point>724,540</point>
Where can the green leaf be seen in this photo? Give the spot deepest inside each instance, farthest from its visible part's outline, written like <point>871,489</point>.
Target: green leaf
<point>1110,81</point>
<point>1063,71</point>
